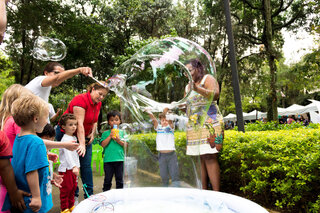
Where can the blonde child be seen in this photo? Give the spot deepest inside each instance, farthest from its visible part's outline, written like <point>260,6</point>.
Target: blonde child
<point>8,125</point>
<point>69,164</point>
<point>113,144</point>
<point>30,162</point>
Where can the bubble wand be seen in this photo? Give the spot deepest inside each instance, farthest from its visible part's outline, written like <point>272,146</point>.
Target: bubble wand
<point>96,80</point>
<point>84,186</point>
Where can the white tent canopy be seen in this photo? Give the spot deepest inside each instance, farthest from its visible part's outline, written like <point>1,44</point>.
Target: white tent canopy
<point>294,109</point>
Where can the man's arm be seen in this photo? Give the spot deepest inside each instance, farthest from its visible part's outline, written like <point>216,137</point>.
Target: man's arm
<point>53,144</point>
<point>56,80</point>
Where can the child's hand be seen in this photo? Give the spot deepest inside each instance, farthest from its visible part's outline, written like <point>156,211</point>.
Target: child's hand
<point>53,157</point>
<point>75,171</point>
<point>57,180</point>
<point>147,110</point>
<point>117,139</point>
<point>72,145</point>
<point>35,204</point>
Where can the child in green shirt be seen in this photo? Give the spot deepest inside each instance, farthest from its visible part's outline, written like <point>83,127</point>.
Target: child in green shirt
<point>113,144</point>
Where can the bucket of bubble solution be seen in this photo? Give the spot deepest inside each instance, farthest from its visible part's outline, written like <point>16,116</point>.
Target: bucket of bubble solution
<point>166,200</point>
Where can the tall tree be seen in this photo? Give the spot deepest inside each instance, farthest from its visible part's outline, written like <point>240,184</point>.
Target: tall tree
<point>261,23</point>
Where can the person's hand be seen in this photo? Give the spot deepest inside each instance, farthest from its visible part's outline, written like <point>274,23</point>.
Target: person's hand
<point>195,86</point>
<point>218,147</point>
<point>35,204</point>
<point>85,71</point>
<point>81,150</point>
<point>117,139</point>
<point>59,110</point>
<point>147,110</point>
<point>71,145</point>
<point>91,136</point>
<point>75,171</point>
<point>53,157</point>
<point>17,200</point>
<point>57,180</point>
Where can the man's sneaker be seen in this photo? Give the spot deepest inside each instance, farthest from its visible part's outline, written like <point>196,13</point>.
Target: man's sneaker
<point>76,201</point>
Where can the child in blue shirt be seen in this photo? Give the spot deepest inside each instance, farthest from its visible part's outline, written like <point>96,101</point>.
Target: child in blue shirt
<point>30,162</point>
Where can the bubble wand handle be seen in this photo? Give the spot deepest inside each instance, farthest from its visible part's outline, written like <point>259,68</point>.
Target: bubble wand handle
<point>96,80</point>
<point>85,190</point>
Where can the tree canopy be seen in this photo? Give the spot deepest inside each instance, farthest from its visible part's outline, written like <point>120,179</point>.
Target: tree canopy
<point>103,34</point>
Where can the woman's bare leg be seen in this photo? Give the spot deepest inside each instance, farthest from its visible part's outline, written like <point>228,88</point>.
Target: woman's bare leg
<point>212,169</point>
<point>204,174</point>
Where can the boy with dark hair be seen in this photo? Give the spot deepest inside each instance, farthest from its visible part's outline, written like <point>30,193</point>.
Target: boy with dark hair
<point>113,143</point>
<point>69,164</point>
<point>49,133</point>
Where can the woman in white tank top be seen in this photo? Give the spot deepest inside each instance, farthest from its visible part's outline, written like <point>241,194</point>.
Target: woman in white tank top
<point>205,125</point>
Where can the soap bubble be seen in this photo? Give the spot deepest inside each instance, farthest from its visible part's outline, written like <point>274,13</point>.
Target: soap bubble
<point>49,49</point>
<point>152,80</point>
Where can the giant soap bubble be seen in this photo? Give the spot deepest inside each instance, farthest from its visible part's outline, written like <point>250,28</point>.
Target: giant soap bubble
<point>152,80</point>
<point>49,49</point>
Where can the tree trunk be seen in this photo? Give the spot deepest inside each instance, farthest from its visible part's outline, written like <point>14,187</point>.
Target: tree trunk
<point>30,71</point>
<point>272,106</point>
<point>22,60</point>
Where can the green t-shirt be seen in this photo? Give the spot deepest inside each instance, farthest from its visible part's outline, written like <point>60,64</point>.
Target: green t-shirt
<point>113,151</point>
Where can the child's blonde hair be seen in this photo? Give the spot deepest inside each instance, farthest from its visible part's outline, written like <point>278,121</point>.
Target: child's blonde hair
<point>8,97</point>
<point>25,108</point>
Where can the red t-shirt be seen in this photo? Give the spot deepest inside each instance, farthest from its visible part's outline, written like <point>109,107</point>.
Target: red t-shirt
<point>92,110</point>
<point>5,147</point>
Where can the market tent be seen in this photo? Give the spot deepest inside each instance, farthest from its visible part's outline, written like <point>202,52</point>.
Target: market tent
<point>314,116</point>
<point>230,117</point>
<point>294,109</point>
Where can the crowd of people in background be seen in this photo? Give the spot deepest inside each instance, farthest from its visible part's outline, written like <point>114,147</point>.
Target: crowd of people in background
<point>302,119</point>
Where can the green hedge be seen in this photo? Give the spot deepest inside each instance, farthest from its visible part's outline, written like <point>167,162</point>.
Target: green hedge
<point>274,125</point>
<point>277,169</point>
<point>274,168</point>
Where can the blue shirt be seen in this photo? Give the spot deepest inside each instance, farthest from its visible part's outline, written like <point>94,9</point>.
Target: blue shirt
<point>30,154</point>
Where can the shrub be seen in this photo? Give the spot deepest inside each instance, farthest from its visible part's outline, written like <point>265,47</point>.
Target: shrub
<point>277,169</point>
<point>274,168</point>
<point>274,125</point>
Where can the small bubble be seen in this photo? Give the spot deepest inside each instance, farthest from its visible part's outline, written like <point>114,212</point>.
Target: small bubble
<point>49,49</point>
